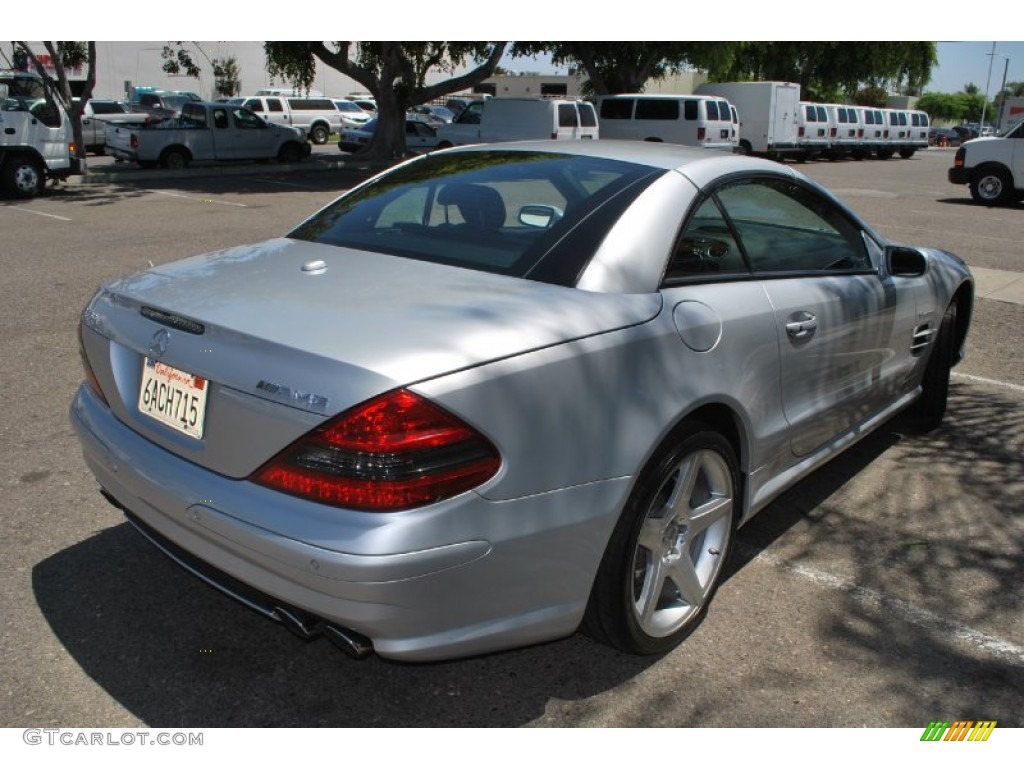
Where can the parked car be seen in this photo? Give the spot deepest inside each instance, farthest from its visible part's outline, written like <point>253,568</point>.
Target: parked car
<point>501,391</point>
<point>490,120</point>
<point>418,136</point>
<point>944,137</point>
<point>433,113</point>
<point>317,118</point>
<point>965,132</point>
<point>992,167</point>
<point>352,115</point>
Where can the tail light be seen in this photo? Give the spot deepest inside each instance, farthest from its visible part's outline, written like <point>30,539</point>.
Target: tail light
<point>134,141</point>
<point>394,452</point>
<point>800,133</point>
<point>860,133</point>
<point>701,133</point>
<point>958,158</point>
<point>832,132</point>
<point>90,376</point>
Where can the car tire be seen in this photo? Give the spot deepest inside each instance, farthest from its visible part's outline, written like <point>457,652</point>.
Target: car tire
<point>174,159</point>
<point>927,413</point>
<point>667,553</point>
<point>289,153</point>
<point>23,177</point>
<point>318,134</point>
<point>992,185</point>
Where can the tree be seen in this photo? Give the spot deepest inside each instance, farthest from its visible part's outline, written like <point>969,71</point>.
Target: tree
<point>226,73</point>
<point>394,72</point>
<point>66,55</point>
<point>825,69</point>
<point>624,67</point>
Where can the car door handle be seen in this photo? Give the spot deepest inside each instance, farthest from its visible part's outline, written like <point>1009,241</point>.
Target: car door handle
<point>801,325</point>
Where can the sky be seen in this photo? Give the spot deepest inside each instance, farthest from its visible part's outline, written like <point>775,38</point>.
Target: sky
<point>960,62</point>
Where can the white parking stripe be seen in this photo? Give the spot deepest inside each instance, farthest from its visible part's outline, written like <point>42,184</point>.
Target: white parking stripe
<point>37,213</point>
<point>197,199</point>
<point>954,630</point>
<point>993,382</point>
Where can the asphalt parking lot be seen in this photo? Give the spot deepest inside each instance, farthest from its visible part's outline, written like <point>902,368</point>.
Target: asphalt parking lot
<point>885,590</point>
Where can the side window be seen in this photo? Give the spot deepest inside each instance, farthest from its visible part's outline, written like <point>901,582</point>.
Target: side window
<point>220,119</point>
<point>471,114</point>
<point>274,105</point>
<point>784,227</point>
<point>657,109</point>
<point>705,248</point>
<point>712,109</point>
<point>588,118</point>
<point>690,109</point>
<point>246,119</point>
<point>616,109</point>
<point>256,105</point>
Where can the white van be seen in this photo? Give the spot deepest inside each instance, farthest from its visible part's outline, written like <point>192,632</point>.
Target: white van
<point>876,133</point>
<point>520,120</point>
<point>813,128</point>
<point>318,117</point>
<point>698,121</point>
<point>846,131</point>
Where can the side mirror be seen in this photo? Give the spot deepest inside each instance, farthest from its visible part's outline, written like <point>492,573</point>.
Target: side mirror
<point>902,261</point>
<point>539,216</point>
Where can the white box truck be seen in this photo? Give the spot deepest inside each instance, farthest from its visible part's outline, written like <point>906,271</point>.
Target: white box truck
<point>769,111</point>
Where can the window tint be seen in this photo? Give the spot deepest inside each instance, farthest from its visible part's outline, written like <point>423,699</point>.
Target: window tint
<point>246,119</point>
<point>588,117</point>
<point>616,109</point>
<point>106,107</point>
<point>494,211</point>
<point>567,116</point>
<point>657,109</point>
<point>308,105</point>
<point>690,109</point>
<point>712,109</point>
<point>705,248</point>
<point>784,227</point>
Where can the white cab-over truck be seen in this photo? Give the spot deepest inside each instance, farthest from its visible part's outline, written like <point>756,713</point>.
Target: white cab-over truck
<point>993,166</point>
<point>36,138</point>
<point>206,131</point>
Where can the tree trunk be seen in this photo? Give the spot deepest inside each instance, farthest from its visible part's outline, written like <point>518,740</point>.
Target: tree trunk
<point>388,142</point>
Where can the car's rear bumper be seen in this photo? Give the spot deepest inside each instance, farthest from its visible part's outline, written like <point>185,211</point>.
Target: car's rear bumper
<point>507,573</point>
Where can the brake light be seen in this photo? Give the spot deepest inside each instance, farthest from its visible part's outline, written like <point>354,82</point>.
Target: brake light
<point>800,133</point>
<point>701,133</point>
<point>90,376</point>
<point>860,133</point>
<point>394,452</point>
<point>832,132</point>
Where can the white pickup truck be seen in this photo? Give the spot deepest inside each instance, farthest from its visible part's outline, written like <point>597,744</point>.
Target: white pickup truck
<point>98,113</point>
<point>206,131</point>
<point>993,167</point>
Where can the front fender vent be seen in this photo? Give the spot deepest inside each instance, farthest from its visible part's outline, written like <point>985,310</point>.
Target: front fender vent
<point>922,338</point>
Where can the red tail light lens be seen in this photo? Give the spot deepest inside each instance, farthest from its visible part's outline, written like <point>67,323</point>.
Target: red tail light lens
<point>134,141</point>
<point>395,452</point>
<point>832,132</point>
<point>701,133</point>
<point>90,376</point>
<point>801,131</point>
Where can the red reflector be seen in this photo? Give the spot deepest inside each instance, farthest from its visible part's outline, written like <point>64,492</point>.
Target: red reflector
<point>394,452</point>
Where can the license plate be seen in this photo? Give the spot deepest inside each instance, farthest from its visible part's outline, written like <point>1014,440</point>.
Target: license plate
<point>173,397</point>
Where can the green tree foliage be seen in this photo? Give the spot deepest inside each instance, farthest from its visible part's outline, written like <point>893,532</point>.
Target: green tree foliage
<point>624,67</point>
<point>66,55</point>
<point>396,73</point>
<point>827,68</point>
<point>226,73</point>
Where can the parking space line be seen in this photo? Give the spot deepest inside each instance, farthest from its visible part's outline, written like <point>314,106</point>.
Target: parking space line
<point>952,630</point>
<point>993,382</point>
<point>37,213</point>
<point>197,199</point>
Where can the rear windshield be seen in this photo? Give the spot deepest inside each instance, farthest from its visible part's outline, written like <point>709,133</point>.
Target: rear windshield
<point>496,211</point>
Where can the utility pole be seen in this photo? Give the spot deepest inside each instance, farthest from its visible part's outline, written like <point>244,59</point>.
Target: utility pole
<point>988,82</point>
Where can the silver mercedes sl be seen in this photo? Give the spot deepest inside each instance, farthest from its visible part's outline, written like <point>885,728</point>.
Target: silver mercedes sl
<point>500,393</point>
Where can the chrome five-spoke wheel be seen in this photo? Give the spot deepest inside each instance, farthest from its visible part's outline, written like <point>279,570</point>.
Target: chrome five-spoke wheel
<point>683,539</point>
<point>667,553</point>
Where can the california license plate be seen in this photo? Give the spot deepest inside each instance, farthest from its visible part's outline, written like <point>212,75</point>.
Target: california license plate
<point>173,397</point>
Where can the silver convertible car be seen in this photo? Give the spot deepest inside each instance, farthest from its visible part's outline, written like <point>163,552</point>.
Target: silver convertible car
<point>500,393</point>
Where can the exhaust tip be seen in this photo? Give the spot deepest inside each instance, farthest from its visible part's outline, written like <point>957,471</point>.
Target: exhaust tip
<point>352,643</point>
<point>301,626</point>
